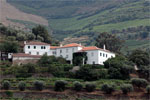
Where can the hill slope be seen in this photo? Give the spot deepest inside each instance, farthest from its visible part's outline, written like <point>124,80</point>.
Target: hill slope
<point>9,12</point>
<point>71,19</point>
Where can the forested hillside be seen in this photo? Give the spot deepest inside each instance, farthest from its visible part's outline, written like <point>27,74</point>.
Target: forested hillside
<point>80,18</point>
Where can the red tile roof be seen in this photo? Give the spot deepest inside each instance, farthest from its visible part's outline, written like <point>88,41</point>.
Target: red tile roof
<point>72,45</point>
<point>90,48</point>
<point>54,47</point>
<point>36,43</point>
<point>93,48</point>
<point>25,55</point>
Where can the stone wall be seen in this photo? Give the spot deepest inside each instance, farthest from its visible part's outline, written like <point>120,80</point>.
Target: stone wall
<point>26,61</point>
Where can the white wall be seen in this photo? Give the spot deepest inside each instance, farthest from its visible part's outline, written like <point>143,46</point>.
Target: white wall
<point>92,56</point>
<point>67,52</point>
<point>102,56</point>
<point>37,50</point>
<point>95,57</point>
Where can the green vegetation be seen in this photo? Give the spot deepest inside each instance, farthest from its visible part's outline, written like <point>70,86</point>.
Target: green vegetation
<point>6,85</point>
<point>108,88</point>
<point>148,89</point>
<point>138,82</point>
<point>60,85</point>
<point>22,86</point>
<point>39,85</point>
<point>90,87</point>
<point>81,15</point>
<point>107,40</point>
<point>126,88</point>
<point>78,86</point>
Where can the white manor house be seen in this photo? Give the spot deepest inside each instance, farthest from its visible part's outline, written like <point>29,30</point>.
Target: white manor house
<point>34,50</point>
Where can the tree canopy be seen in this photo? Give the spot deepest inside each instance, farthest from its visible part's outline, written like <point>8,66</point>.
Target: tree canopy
<point>42,32</point>
<point>9,47</point>
<point>140,57</point>
<point>111,42</point>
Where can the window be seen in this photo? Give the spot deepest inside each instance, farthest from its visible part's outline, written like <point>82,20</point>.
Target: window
<point>103,55</point>
<point>41,47</point>
<point>54,52</point>
<point>93,62</point>
<point>106,55</point>
<point>60,51</point>
<point>46,53</point>
<point>72,49</point>
<point>66,50</point>
<point>37,53</point>
<point>34,47</point>
<point>66,56</point>
<point>28,47</point>
<point>100,54</point>
<point>44,47</point>
<point>92,54</point>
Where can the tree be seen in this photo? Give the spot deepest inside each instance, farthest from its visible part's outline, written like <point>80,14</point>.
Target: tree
<point>9,47</point>
<point>139,57</point>
<point>119,67</point>
<point>42,32</point>
<point>111,42</point>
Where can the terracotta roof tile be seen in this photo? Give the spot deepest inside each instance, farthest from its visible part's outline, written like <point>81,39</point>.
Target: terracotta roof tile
<point>36,43</point>
<point>93,48</point>
<point>54,47</point>
<point>25,55</point>
<point>72,45</point>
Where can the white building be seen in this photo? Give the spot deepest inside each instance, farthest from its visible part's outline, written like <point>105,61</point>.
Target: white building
<point>67,51</point>
<point>95,55</point>
<point>37,48</point>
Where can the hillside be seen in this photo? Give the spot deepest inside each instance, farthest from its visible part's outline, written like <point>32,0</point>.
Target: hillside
<point>9,13</point>
<point>81,18</point>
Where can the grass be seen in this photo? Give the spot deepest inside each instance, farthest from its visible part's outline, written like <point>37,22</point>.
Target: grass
<point>121,25</point>
<point>134,44</point>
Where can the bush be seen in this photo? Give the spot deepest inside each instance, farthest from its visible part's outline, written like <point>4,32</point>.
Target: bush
<point>108,88</point>
<point>126,88</point>
<point>39,85</point>
<point>91,73</point>
<point>6,85</point>
<point>139,82</point>
<point>60,85</point>
<point>22,86</point>
<point>148,89</point>
<point>9,93</point>
<point>78,86</point>
<point>90,87</point>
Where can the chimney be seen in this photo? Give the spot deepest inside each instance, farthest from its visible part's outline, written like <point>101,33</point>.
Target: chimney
<point>104,47</point>
<point>80,44</point>
<point>25,42</point>
<point>61,45</point>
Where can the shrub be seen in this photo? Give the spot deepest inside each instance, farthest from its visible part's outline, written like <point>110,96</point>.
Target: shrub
<point>139,82</point>
<point>87,73</point>
<point>6,85</point>
<point>148,89</point>
<point>108,88</point>
<point>60,85</point>
<point>9,93</point>
<point>22,86</point>
<point>39,85</point>
<point>90,87</point>
<point>126,88</point>
<point>78,86</point>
